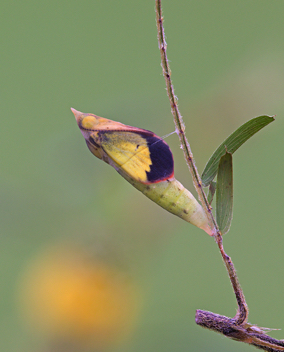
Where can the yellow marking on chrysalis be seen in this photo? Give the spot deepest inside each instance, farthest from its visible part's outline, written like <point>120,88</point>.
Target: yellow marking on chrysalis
<point>89,122</point>
<point>130,152</point>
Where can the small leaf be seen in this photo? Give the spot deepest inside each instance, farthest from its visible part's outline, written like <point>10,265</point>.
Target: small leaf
<point>212,189</point>
<point>232,143</point>
<point>224,193</point>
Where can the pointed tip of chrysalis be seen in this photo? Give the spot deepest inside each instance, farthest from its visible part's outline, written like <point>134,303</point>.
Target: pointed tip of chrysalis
<point>77,114</point>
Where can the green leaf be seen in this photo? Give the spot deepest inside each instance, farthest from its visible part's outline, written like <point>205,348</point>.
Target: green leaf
<point>211,192</point>
<point>224,193</point>
<point>232,143</point>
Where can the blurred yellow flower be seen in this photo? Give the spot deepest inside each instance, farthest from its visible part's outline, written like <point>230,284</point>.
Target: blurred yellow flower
<point>68,296</point>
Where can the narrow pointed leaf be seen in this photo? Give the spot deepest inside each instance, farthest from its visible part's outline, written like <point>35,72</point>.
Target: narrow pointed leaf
<point>211,192</point>
<point>224,193</point>
<point>232,143</point>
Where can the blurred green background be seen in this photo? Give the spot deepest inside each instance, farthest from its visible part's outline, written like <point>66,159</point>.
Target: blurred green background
<point>61,206</point>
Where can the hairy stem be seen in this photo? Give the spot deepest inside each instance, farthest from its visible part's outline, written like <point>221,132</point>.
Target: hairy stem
<point>242,314</point>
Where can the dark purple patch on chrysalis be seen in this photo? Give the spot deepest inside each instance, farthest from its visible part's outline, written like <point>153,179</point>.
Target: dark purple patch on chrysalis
<point>161,156</point>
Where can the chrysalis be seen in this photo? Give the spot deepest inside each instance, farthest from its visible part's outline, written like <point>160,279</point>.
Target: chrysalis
<point>144,160</point>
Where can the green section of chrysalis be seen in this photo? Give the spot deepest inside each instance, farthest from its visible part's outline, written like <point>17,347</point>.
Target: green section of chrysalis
<point>175,198</point>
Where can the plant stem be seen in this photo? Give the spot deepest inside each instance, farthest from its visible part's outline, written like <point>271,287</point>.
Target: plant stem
<point>241,330</point>
<point>242,312</point>
<point>246,333</point>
